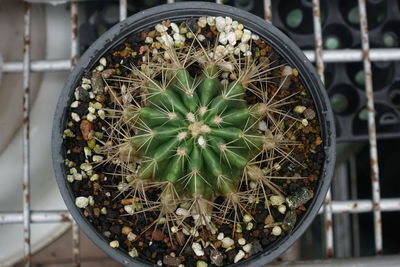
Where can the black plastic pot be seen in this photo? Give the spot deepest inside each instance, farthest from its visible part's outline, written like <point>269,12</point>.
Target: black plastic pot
<point>177,12</point>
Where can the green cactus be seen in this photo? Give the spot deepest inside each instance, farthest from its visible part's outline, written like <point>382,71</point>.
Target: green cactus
<point>183,128</point>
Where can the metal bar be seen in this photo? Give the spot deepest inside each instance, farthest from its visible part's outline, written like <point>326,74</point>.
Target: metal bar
<point>389,260</point>
<point>267,10</point>
<point>36,217</point>
<point>329,250</point>
<point>39,65</point>
<point>371,127</point>
<point>354,217</point>
<point>345,206</point>
<point>331,56</point>
<point>123,9</point>
<point>74,33</point>
<point>25,159</point>
<point>74,59</point>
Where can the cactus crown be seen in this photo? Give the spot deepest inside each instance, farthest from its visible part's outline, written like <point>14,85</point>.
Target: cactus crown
<point>187,124</point>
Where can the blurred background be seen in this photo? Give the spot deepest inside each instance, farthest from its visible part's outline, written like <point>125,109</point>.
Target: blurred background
<point>346,231</point>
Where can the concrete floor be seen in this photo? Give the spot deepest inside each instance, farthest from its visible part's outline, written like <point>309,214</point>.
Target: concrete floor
<point>59,254</point>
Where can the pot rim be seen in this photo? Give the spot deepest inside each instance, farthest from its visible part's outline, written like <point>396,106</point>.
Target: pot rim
<point>184,10</point>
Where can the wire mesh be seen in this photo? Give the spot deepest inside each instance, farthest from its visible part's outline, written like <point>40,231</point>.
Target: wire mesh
<point>376,205</point>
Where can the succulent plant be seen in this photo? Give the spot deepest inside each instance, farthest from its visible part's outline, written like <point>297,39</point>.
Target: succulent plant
<point>184,125</point>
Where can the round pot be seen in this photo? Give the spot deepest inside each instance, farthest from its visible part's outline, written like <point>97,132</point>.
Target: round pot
<point>180,11</point>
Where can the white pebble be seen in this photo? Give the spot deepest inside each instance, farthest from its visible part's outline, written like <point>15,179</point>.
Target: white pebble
<point>174,229</point>
<point>227,242</point>
<point>246,36</point>
<point>159,262</point>
<point>277,230</point>
<point>227,28</point>
<point>220,236</point>
<point>202,22</point>
<point>304,122</point>
<point>148,40</point>
<point>131,236</point>
<point>91,110</point>
<point>299,109</point>
<point>86,86</point>
<point>133,253</point>
<point>100,68</point>
<point>226,66</point>
<point>91,117</point>
<point>239,256</point>
<point>242,241</point>
<point>220,23</point>
<point>74,104</point>
<point>103,61</point>
<point>81,202</point>
<point>103,210</point>
<point>129,209</point>
<point>161,28</point>
<point>235,24</point>
<point>91,200</point>
<point>247,248</point>
<point>287,71</point>
<point>228,20</point>
<point>211,21</point>
<point>167,40</point>
<point>174,27</point>
<point>247,218</point>
<point>222,38</point>
<point>243,47</point>
<point>182,212</point>
<point>101,113</point>
<point>255,37</point>
<point>231,37</point>
<point>201,37</point>
<point>282,209</point>
<point>276,200</point>
<point>262,126</point>
<point>97,158</point>
<point>75,117</point>
<point>198,250</point>
<point>114,244</point>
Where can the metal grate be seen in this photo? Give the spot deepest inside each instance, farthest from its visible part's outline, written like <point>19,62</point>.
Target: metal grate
<point>376,205</point>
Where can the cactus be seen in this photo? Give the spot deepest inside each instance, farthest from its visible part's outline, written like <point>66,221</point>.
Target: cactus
<point>182,128</point>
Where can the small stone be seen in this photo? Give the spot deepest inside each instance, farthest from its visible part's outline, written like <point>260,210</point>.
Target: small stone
<point>101,113</point>
<point>159,262</point>
<point>81,202</point>
<point>220,23</point>
<point>131,236</point>
<point>161,28</point>
<point>268,220</point>
<point>282,209</point>
<point>277,230</point>
<point>216,257</point>
<point>103,61</point>
<point>180,237</point>
<point>309,114</point>
<point>211,21</point>
<point>182,212</point>
<point>103,210</point>
<point>167,40</point>
<point>157,235</point>
<point>220,236</point>
<point>197,249</point>
<point>242,241</point>
<point>247,248</point>
<point>222,38</point>
<point>249,226</point>
<point>276,200</point>
<point>174,229</point>
<point>304,122</point>
<point>262,126</point>
<point>202,22</point>
<point>171,261</point>
<point>201,37</point>
<point>287,70</point>
<point>133,253</point>
<point>299,109</point>
<point>97,158</point>
<point>246,36</point>
<point>231,37</point>
<point>227,242</point>
<point>240,255</point>
<point>126,230</point>
<point>107,73</point>
<point>90,117</point>
<point>247,218</point>
<point>75,117</point>
<point>74,104</point>
<point>201,264</point>
<point>148,40</point>
<point>100,68</point>
<point>174,27</point>
<point>97,82</point>
<point>86,86</point>
<point>91,200</point>
<point>114,244</point>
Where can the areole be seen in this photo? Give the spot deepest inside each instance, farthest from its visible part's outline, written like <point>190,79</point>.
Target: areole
<point>178,12</point>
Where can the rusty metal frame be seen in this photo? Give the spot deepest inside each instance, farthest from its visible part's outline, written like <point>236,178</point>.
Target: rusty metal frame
<point>330,207</point>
